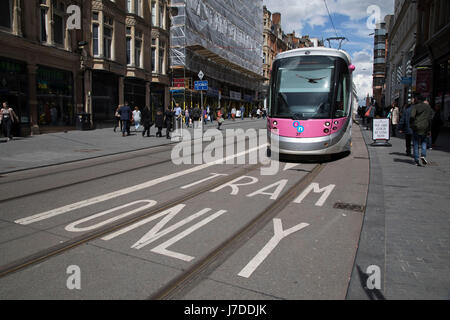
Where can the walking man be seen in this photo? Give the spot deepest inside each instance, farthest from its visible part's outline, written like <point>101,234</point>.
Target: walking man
<point>146,121</point>
<point>405,128</point>
<point>125,118</point>
<point>169,120</point>
<point>420,120</point>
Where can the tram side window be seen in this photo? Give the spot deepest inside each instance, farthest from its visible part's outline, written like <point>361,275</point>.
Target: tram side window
<point>342,97</point>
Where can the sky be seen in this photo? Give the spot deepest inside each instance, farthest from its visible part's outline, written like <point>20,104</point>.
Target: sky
<point>353,19</point>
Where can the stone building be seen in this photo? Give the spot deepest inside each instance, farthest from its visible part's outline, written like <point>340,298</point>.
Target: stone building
<point>119,54</point>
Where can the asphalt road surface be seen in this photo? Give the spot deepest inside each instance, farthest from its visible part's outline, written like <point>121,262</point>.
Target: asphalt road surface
<point>137,225</point>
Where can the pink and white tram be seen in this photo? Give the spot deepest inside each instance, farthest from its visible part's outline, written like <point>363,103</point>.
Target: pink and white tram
<point>310,102</point>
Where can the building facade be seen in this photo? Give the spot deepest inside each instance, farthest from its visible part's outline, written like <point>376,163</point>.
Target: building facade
<point>224,41</point>
<point>50,74</point>
<point>379,63</point>
<point>401,42</point>
<point>431,58</point>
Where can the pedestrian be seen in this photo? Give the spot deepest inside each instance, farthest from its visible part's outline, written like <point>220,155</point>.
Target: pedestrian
<point>117,121</point>
<point>170,115</point>
<point>405,128</point>
<point>54,115</point>
<point>370,113</point>
<point>242,112</point>
<point>220,119</point>
<point>436,124</point>
<point>125,118</point>
<point>196,115</point>
<point>205,116</point>
<point>186,117</point>
<point>233,113</point>
<point>420,122</point>
<point>159,122</point>
<point>178,115</point>
<point>394,115</point>
<point>258,112</point>
<point>137,115</point>
<point>7,118</point>
<point>146,121</point>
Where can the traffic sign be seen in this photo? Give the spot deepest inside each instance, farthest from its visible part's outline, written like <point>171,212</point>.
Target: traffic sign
<point>201,75</point>
<point>201,85</point>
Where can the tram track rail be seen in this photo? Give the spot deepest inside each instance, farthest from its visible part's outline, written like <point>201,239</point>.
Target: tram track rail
<point>185,282</point>
<point>71,184</point>
<point>47,253</point>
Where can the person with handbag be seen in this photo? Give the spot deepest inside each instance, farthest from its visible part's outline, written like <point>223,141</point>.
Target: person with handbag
<point>7,117</point>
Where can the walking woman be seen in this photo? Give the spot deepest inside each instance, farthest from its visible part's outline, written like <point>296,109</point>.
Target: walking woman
<point>395,117</point>
<point>7,117</point>
<point>220,119</point>
<point>117,122</point>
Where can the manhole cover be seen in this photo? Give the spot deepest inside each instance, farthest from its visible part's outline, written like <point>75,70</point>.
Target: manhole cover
<point>349,207</point>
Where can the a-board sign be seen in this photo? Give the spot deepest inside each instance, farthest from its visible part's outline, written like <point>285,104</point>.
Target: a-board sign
<point>380,129</point>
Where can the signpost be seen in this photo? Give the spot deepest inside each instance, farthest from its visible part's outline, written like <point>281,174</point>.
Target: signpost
<point>381,133</point>
<point>201,85</point>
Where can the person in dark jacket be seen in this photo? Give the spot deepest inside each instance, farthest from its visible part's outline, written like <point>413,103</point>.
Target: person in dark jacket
<point>420,123</point>
<point>404,127</point>
<point>436,124</point>
<point>159,122</point>
<point>125,118</point>
<point>170,115</point>
<point>146,121</point>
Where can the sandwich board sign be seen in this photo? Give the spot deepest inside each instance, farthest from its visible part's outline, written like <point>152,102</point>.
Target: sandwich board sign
<point>381,132</point>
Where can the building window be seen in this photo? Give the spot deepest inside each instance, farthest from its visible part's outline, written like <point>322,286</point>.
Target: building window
<point>153,13</point>
<point>162,53</point>
<point>95,39</point>
<point>138,49</point>
<point>138,7</point>
<point>128,50</point>
<point>161,15</point>
<point>153,55</point>
<point>6,7</point>
<point>43,23</point>
<point>58,22</point>
<point>108,27</point>
<point>129,6</point>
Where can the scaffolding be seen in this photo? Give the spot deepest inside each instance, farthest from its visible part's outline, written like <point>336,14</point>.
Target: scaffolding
<point>224,39</point>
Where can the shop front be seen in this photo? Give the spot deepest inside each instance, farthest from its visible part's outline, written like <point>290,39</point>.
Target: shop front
<point>55,97</point>
<point>14,90</point>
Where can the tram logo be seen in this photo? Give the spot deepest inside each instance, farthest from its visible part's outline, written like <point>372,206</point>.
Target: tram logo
<point>299,127</point>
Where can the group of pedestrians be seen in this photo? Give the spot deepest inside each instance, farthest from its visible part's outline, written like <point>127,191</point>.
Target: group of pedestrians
<point>419,123</point>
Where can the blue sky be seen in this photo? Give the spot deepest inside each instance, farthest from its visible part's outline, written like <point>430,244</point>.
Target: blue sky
<point>353,19</point>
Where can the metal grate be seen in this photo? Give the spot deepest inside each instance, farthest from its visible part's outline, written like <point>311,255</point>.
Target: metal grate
<point>349,207</point>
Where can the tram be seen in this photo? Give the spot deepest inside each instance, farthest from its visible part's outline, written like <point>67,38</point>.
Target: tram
<point>310,102</point>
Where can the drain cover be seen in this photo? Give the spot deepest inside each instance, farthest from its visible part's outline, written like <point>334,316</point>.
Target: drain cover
<point>349,207</point>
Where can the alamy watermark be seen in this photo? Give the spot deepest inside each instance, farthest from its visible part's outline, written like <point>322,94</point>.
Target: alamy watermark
<point>238,146</point>
<point>374,13</point>
<point>74,280</point>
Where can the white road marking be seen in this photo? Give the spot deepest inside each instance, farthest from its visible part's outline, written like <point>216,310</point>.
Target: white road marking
<point>214,175</point>
<point>108,196</point>
<point>279,234</point>
<point>274,195</point>
<point>315,187</point>
<point>162,248</point>
<point>73,226</point>
<point>234,186</point>
<point>289,166</point>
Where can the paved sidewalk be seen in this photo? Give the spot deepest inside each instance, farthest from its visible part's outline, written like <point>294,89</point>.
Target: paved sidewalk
<point>406,224</point>
<point>62,147</point>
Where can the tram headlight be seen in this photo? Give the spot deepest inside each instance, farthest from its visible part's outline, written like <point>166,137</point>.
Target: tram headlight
<point>327,124</point>
<point>275,123</point>
<point>336,122</point>
<point>326,130</point>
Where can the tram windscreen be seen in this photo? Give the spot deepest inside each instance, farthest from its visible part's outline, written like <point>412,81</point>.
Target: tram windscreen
<point>303,87</point>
